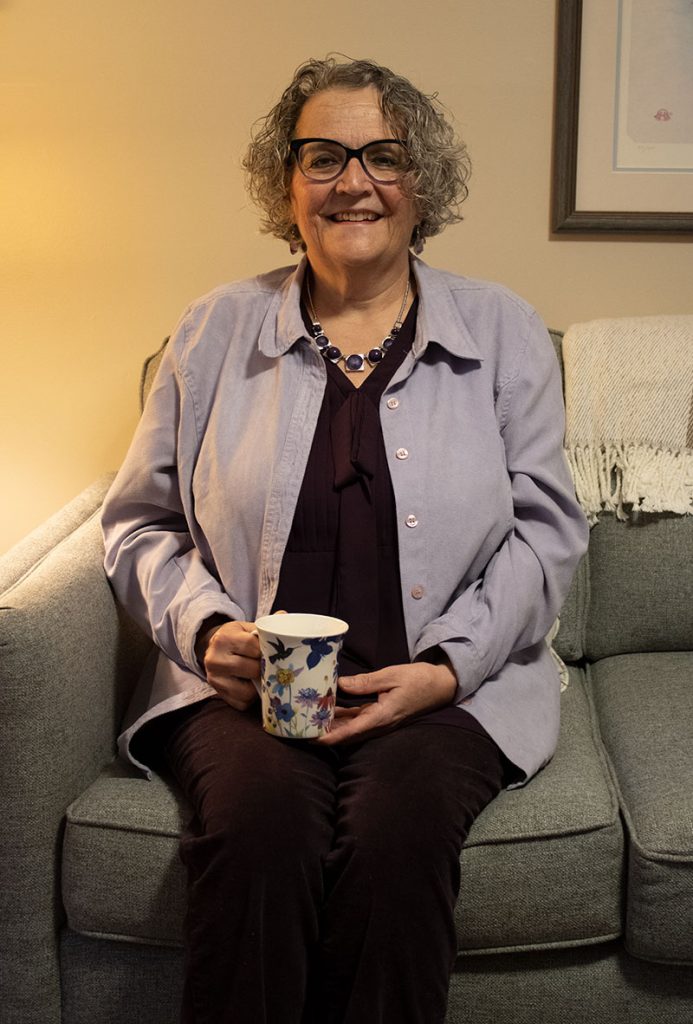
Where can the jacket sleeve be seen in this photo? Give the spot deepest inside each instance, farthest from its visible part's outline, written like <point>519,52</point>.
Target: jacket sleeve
<point>152,559</point>
<point>513,604</point>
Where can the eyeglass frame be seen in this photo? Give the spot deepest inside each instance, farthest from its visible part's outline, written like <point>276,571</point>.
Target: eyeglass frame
<point>296,144</point>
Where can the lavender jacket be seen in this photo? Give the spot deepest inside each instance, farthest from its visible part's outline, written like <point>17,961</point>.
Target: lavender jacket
<point>489,530</point>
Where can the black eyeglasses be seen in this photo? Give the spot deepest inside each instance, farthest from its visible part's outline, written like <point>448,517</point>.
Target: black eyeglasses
<point>384,161</point>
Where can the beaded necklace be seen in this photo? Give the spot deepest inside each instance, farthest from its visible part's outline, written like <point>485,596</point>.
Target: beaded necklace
<point>355,362</point>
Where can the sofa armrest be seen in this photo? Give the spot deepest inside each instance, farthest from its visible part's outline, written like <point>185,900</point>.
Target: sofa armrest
<point>26,553</point>
<point>68,660</point>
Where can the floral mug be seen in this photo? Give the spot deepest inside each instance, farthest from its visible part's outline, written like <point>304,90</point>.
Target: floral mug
<point>298,673</point>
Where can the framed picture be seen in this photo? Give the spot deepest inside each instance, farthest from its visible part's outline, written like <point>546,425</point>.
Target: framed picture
<point>623,129</point>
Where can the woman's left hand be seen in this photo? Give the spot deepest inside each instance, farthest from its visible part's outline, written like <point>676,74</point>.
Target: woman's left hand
<point>404,691</point>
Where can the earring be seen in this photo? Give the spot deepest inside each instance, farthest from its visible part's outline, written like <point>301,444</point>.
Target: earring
<point>417,240</point>
<point>295,242</point>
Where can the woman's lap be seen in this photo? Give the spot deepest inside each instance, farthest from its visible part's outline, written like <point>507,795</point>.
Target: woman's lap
<point>384,788</point>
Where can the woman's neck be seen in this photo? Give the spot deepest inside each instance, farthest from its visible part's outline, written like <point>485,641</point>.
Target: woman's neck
<point>357,317</point>
<point>357,293</point>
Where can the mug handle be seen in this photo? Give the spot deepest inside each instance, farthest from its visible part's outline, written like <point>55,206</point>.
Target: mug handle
<point>257,683</point>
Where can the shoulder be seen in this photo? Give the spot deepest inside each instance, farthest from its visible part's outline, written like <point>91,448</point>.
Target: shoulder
<point>230,316</point>
<point>473,295</point>
<point>221,328</point>
<point>251,294</point>
<point>495,323</point>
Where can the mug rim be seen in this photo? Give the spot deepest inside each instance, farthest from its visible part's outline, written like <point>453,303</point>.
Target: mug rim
<point>285,624</point>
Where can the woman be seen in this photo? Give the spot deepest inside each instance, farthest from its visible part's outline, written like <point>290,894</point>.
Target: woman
<point>366,437</point>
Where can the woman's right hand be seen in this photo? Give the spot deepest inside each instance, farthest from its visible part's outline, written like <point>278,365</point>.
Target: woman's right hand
<point>230,655</point>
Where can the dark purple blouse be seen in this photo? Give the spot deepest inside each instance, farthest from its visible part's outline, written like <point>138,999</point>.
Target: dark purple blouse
<point>341,557</point>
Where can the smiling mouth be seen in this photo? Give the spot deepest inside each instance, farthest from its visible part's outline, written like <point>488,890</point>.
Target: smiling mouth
<point>354,216</point>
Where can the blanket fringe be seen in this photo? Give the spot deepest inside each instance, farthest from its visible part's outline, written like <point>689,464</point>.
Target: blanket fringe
<point>615,475</point>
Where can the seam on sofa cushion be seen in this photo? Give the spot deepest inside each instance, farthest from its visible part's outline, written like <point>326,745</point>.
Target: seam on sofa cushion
<point>542,946</point>
<point>538,837</point>
<point>133,940</point>
<point>131,830</point>
<point>80,822</point>
<point>600,747</point>
<point>654,959</point>
<point>463,953</point>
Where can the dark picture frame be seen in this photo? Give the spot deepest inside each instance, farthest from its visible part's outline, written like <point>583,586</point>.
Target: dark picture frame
<point>565,218</point>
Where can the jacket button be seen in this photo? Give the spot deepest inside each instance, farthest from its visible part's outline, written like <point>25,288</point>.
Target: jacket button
<point>417,592</point>
<point>411,521</point>
<point>392,403</point>
<point>402,453</point>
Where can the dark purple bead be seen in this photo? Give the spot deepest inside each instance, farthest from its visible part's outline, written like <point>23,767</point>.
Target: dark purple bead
<point>322,341</point>
<point>332,353</point>
<point>387,343</point>
<point>354,362</point>
<point>375,355</point>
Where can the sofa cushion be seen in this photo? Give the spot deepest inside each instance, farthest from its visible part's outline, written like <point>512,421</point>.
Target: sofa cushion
<point>122,877</point>
<point>645,707</point>
<point>640,585</point>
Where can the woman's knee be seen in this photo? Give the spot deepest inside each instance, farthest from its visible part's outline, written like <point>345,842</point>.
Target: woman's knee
<point>273,810</point>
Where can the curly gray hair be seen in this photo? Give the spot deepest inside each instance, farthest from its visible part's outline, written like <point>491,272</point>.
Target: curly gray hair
<point>440,162</point>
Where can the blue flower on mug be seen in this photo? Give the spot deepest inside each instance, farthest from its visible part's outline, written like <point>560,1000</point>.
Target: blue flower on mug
<point>307,697</point>
<point>284,712</point>
<point>320,717</point>
<point>319,649</point>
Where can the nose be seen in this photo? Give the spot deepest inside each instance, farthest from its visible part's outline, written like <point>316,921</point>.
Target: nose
<point>353,179</point>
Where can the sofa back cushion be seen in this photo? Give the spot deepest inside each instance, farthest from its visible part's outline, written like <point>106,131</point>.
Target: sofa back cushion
<point>640,585</point>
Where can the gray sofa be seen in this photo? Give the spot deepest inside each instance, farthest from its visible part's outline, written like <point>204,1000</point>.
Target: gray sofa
<point>577,892</point>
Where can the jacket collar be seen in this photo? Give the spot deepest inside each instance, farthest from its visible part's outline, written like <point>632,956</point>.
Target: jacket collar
<point>283,324</point>
<point>439,319</point>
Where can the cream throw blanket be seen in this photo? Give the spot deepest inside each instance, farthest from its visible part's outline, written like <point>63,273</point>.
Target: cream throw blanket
<point>629,414</point>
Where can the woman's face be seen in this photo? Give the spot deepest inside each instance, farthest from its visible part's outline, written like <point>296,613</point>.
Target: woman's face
<point>379,239</point>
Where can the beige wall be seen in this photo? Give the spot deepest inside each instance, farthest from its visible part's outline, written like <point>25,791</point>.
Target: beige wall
<point>122,127</point>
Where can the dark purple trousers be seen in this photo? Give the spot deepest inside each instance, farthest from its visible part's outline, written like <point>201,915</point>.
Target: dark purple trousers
<point>322,882</point>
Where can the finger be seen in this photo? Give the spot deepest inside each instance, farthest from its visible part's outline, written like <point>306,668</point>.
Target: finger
<point>369,720</point>
<point>221,665</point>
<point>368,682</point>
<point>346,712</point>
<point>235,638</point>
<point>246,640</point>
<point>239,693</point>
